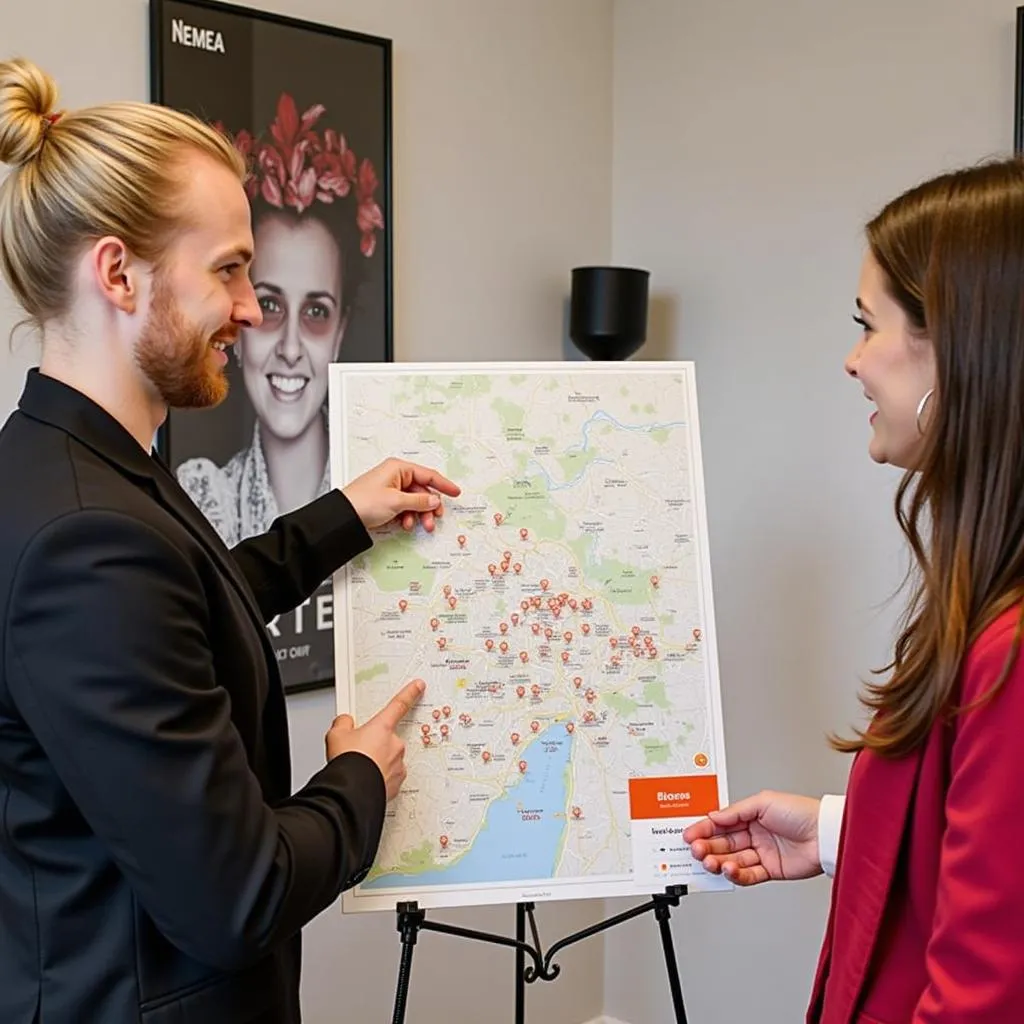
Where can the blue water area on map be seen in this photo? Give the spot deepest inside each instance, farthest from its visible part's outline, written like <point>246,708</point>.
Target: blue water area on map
<point>522,831</point>
<point>600,416</point>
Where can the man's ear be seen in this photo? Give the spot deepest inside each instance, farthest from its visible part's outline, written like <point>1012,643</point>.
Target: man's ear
<point>117,273</point>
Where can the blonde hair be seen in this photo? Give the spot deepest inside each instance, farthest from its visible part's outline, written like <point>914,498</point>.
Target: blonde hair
<point>85,174</point>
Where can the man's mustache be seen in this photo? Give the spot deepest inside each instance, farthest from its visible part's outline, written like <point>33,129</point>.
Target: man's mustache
<point>228,335</point>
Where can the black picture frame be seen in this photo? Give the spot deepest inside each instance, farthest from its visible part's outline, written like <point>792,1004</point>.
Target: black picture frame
<point>310,105</point>
<point>1018,82</point>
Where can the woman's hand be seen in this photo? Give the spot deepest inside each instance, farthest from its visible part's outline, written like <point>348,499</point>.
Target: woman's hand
<point>397,490</point>
<point>767,837</point>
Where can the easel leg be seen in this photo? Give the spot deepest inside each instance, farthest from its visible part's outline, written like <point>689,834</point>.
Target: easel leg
<point>520,964</point>
<point>410,917</point>
<point>661,913</point>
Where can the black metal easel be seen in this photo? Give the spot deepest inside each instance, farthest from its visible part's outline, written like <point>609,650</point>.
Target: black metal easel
<point>412,920</point>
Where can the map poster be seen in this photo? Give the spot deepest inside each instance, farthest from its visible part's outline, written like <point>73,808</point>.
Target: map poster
<point>562,617</point>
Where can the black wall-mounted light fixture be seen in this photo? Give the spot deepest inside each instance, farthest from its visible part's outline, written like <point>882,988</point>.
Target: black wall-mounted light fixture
<point>608,311</point>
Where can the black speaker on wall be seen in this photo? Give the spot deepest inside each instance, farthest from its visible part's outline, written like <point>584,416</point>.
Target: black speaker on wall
<point>608,311</point>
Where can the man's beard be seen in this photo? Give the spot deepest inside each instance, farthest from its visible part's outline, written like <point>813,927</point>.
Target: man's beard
<point>175,355</point>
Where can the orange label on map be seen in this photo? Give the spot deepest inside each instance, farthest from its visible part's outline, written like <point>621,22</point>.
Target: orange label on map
<point>677,796</point>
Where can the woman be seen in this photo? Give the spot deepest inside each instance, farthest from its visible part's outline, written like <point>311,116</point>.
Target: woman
<point>315,220</point>
<point>927,906</point>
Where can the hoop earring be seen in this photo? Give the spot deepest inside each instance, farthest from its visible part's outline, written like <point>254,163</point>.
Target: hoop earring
<point>920,409</point>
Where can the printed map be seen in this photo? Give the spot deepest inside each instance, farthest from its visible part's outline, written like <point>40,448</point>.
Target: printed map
<point>560,615</point>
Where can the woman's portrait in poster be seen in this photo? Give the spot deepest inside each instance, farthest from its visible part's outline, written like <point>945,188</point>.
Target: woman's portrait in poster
<point>309,110</point>
<point>310,249</point>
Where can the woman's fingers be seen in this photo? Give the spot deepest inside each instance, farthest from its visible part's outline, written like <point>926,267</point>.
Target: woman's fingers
<point>739,874</point>
<point>722,844</point>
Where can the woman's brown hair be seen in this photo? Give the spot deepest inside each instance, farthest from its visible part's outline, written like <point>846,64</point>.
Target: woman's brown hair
<point>952,253</point>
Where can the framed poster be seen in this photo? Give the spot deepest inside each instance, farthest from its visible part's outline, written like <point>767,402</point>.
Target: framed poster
<point>310,108</point>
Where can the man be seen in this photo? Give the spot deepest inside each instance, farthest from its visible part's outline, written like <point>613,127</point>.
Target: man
<point>154,863</point>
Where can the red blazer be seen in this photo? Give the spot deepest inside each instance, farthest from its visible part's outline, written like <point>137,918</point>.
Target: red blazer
<point>927,918</point>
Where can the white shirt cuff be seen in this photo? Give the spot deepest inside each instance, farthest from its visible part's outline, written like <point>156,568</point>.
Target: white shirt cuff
<point>830,821</point>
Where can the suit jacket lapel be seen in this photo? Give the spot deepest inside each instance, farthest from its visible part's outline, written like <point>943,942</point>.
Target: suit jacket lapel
<point>177,502</point>
<point>278,751</point>
<point>60,405</point>
<point>814,1008</point>
<point>879,800</point>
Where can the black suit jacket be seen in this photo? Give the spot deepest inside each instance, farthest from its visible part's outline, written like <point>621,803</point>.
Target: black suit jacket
<point>154,863</point>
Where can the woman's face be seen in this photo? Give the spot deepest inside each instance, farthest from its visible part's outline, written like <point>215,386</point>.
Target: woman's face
<point>895,367</point>
<point>296,274</point>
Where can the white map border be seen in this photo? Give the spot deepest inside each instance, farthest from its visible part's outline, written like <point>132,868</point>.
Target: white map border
<point>341,375</point>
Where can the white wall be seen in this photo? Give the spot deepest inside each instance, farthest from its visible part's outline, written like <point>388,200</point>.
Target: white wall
<point>502,131</point>
<point>751,142</point>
